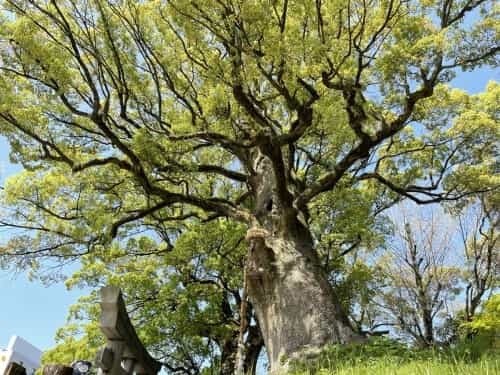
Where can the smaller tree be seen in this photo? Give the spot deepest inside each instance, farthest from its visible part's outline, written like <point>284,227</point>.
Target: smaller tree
<point>418,275</point>
<point>487,322</point>
<point>478,224</point>
<point>184,300</point>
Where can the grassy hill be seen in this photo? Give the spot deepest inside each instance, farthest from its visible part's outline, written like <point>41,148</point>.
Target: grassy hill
<point>386,366</point>
<point>387,357</point>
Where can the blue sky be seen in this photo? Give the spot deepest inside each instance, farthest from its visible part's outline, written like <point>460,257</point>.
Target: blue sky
<point>28,309</point>
<point>35,312</point>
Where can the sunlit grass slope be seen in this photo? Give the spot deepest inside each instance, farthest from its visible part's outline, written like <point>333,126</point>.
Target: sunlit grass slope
<point>386,357</point>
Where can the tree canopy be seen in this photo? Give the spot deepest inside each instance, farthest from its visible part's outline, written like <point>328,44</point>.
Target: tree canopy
<point>141,119</point>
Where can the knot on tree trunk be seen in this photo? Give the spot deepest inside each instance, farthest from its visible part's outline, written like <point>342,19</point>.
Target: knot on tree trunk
<point>257,234</point>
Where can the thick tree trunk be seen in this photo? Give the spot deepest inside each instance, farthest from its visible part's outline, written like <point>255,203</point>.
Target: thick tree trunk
<point>294,303</point>
<point>293,300</point>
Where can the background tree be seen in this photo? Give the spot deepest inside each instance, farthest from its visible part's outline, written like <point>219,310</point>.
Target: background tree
<point>436,269</point>
<point>184,300</point>
<point>421,277</point>
<point>129,116</point>
<point>479,223</point>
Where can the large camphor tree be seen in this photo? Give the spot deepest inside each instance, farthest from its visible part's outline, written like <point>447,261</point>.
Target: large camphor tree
<point>135,117</point>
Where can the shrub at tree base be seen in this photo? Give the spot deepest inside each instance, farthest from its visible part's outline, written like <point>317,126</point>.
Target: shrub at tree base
<point>486,325</point>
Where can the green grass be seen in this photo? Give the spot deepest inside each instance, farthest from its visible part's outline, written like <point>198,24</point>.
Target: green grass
<point>390,366</point>
<point>388,357</point>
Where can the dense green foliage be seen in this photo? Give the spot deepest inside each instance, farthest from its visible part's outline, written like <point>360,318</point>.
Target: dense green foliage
<point>156,135</point>
<point>485,326</point>
<point>184,302</point>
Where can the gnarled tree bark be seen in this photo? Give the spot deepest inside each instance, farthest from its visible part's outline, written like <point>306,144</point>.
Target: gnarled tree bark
<point>294,303</point>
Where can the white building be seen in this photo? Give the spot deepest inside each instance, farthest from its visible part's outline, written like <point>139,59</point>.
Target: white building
<point>21,352</point>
